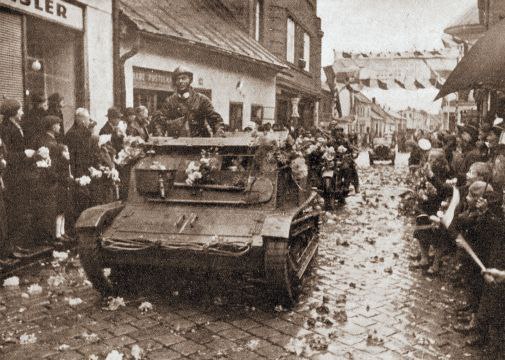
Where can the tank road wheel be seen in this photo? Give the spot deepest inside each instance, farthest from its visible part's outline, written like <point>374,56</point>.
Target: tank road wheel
<point>91,261</point>
<point>279,272</point>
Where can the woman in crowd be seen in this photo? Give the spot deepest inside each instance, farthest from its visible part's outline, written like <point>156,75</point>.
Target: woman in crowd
<point>18,159</point>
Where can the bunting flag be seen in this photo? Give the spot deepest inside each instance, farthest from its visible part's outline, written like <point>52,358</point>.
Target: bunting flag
<point>418,85</point>
<point>330,77</point>
<point>364,55</point>
<point>346,55</point>
<point>418,53</point>
<point>382,85</point>
<point>400,83</point>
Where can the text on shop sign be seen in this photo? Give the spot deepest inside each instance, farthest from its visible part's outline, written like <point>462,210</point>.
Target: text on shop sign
<point>53,10</point>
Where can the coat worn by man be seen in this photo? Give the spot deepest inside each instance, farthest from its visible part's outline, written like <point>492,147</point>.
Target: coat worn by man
<point>32,125</point>
<point>79,142</point>
<point>5,244</point>
<point>191,115</point>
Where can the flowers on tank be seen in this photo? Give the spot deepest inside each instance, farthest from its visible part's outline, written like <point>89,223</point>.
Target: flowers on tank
<point>132,150</point>
<point>200,172</point>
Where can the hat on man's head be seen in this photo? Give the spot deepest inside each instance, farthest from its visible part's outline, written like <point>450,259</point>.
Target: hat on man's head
<point>9,107</point>
<point>38,98</point>
<point>55,98</point>
<point>114,113</point>
<point>129,111</point>
<point>181,70</point>
<point>49,120</point>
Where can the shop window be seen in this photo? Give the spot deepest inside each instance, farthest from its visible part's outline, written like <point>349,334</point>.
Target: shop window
<point>53,63</point>
<point>290,41</point>
<point>256,113</point>
<point>236,116</point>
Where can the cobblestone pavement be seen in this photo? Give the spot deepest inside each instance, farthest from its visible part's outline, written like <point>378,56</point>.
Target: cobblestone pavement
<point>360,301</point>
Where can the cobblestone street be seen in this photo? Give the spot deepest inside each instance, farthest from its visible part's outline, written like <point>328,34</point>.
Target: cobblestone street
<point>361,301</point>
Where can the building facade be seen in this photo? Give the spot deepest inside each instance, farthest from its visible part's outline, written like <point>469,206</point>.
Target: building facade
<point>229,66</point>
<point>291,30</point>
<point>58,46</point>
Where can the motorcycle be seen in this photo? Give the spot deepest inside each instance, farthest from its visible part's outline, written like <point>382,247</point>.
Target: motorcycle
<point>336,179</point>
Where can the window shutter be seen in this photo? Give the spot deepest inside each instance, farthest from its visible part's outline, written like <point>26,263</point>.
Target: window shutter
<point>11,56</point>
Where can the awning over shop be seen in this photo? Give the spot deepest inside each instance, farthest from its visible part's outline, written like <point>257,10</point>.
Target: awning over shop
<point>482,67</point>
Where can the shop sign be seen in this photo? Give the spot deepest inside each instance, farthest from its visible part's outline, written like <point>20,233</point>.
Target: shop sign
<point>53,10</point>
<point>152,79</point>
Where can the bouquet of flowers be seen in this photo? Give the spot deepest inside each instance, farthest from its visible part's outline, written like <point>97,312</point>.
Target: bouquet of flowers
<point>83,180</point>
<point>200,172</point>
<point>95,173</point>
<point>42,158</point>
<point>132,150</point>
<point>111,174</point>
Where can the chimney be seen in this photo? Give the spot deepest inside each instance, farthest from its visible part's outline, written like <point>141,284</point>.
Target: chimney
<point>373,100</point>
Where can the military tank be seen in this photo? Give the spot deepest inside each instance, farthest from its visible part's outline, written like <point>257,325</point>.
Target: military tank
<point>207,203</point>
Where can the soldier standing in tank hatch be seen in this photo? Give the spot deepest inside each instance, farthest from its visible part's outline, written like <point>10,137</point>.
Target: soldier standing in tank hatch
<point>189,113</point>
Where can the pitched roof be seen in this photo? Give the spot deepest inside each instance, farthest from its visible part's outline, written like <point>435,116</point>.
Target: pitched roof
<point>206,23</point>
<point>362,98</point>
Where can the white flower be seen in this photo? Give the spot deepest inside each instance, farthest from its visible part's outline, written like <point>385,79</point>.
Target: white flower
<point>55,280</point>
<point>205,161</point>
<point>115,303</point>
<point>27,339</point>
<point>11,281</point>
<point>145,306</point>
<point>342,149</point>
<point>104,139</point>
<point>74,301</point>
<point>83,180</point>
<point>43,152</point>
<point>114,175</point>
<point>43,164</point>
<point>192,167</point>
<point>137,352</point>
<point>35,289</point>
<point>114,355</point>
<point>60,255</point>
<point>94,173</point>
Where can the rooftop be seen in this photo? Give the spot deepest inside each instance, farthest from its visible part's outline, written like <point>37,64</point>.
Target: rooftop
<point>206,23</point>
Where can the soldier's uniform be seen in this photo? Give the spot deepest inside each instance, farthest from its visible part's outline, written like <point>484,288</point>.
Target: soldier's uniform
<point>190,113</point>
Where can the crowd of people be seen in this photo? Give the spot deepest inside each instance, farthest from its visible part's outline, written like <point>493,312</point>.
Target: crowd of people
<point>457,197</point>
<point>50,176</point>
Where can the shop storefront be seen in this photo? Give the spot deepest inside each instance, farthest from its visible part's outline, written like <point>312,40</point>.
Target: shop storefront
<point>44,48</point>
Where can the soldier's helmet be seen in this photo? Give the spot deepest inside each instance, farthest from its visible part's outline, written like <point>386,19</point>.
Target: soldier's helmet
<point>181,70</point>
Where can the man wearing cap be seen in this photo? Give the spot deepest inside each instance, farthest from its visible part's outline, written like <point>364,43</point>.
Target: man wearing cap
<point>112,126</point>
<point>19,159</point>
<point>189,112</point>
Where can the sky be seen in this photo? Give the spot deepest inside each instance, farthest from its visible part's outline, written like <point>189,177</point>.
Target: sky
<point>388,25</point>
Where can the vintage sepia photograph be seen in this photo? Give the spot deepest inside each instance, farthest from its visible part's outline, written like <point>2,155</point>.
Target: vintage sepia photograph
<point>252,179</point>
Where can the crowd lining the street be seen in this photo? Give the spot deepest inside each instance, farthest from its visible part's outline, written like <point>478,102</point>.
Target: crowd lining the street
<point>49,177</point>
<point>473,162</point>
